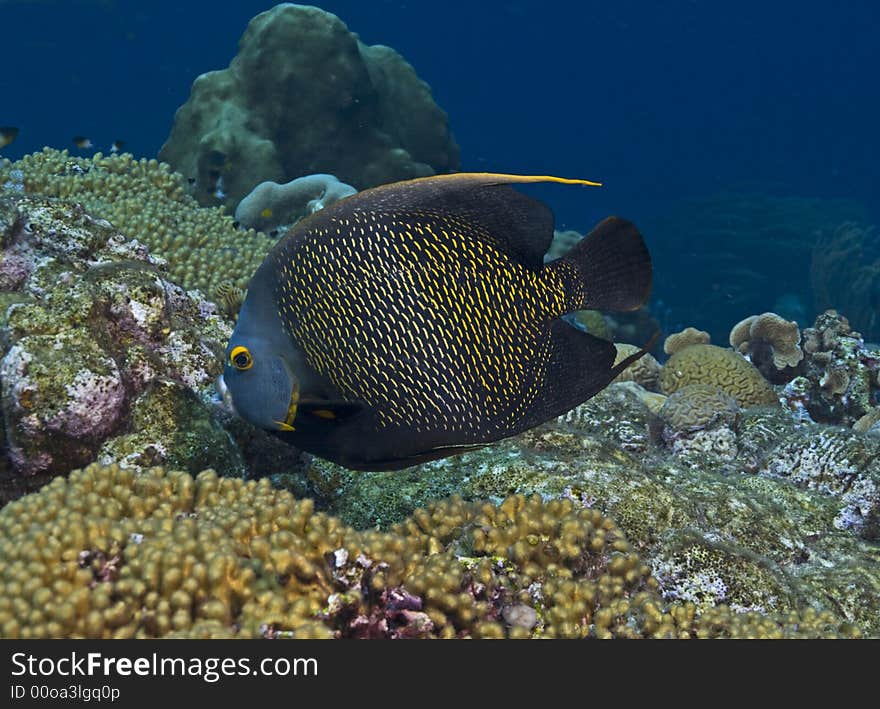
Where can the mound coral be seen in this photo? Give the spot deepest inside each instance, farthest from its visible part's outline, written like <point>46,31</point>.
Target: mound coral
<point>689,336</point>
<point>145,200</point>
<point>698,406</point>
<point>302,96</point>
<point>700,419</point>
<point>107,553</point>
<point>725,369</point>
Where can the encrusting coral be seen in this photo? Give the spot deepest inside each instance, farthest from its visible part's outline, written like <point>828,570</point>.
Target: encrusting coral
<point>102,351</point>
<point>145,200</point>
<point>109,553</point>
<point>305,96</point>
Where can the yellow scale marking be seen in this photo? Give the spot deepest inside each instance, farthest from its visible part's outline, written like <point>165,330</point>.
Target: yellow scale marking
<point>430,354</point>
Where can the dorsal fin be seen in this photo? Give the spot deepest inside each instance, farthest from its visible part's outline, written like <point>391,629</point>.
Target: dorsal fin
<point>481,205</point>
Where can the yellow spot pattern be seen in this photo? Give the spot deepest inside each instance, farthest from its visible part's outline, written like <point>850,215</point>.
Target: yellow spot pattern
<point>422,318</point>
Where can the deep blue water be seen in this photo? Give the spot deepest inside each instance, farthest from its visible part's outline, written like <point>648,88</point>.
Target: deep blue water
<point>661,101</point>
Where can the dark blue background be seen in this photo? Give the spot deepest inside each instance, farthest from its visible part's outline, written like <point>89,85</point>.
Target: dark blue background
<point>659,100</point>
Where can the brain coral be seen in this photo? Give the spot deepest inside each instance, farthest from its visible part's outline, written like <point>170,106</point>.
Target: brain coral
<point>698,406</point>
<point>302,96</point>
<point>645,371</point>
<point>146,201</point>
<point>108,553</point>
<point>728,370</point>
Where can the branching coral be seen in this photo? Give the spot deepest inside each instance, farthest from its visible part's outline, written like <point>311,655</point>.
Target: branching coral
<point>107,553</point>
<point>146,201</point>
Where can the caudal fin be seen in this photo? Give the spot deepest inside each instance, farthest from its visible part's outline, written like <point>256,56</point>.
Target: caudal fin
<point>612,268</point>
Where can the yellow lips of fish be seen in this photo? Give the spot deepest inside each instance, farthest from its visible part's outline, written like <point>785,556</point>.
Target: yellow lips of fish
<point>287,423</point>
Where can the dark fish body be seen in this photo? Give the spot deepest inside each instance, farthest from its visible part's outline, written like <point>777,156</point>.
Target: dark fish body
<point>416,320</point>
<point>7,135</point>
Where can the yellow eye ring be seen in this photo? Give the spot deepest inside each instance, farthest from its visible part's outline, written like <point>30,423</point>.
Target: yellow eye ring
<point>240,358</point>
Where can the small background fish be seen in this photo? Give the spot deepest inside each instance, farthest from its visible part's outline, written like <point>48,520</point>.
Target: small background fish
<point>7,135</point>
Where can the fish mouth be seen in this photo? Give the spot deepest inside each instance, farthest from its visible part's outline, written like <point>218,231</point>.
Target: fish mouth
<point>293,404</point>
<point>225,394</point>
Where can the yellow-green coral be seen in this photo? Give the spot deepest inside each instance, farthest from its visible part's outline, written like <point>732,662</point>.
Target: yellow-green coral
<point>145,200</point>
<point>726,369</point>
<point>110,553</point>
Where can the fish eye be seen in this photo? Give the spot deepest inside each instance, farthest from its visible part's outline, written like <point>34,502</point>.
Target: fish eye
<point>240,358</point>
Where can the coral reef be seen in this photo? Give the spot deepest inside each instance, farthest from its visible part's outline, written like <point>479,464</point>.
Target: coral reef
<point>270,206</point>
<point>839,383</point>
<point>304,96</point>
<point>845,274</point>
<point>725,369</point>
<point>144,200</point>
<point>839,463</point>
<point>689,336</point>
<point>771,343</point>
<point>717,509</point>
<point>107,553</point>
<point>645,371</point>
<point>102,351</point>
<point>742,251</point>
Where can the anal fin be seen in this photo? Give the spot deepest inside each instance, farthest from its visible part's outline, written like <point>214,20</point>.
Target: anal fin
<point>580,365</point>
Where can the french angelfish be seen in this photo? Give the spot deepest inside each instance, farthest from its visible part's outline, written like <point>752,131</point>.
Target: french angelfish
<point>417,320</point>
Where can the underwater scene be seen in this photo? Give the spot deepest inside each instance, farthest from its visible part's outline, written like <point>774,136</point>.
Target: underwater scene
<point>402,319</point>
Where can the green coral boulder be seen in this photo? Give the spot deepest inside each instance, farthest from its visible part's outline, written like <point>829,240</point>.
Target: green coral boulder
<point>305,96</point>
